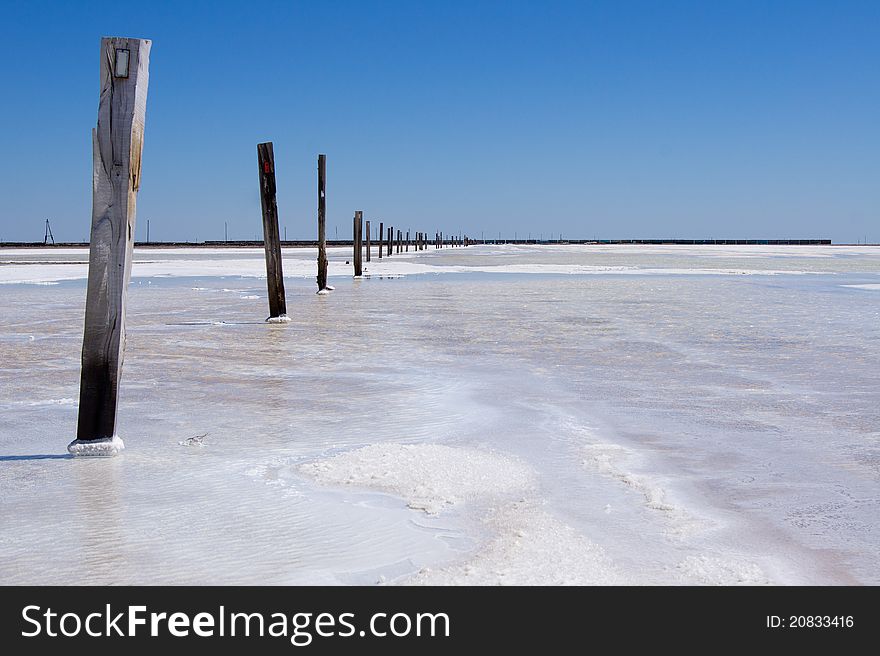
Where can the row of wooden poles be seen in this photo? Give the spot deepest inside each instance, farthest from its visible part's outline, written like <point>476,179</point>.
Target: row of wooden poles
<point>116,154</point>
<point>360,243</point>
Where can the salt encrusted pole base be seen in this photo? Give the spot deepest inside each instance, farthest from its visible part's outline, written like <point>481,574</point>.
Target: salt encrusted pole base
<point>107,446</point>
<point>282,319</point>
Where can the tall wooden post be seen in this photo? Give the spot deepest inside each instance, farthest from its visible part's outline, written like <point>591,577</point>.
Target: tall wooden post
<point>271,241</point>
<point>398,241</point>
<point>322,223</point>
<point>367,229</point>
<point>117,144</point>
<point>381,233</point>
<point>357,244</point>
<point>390,240</point>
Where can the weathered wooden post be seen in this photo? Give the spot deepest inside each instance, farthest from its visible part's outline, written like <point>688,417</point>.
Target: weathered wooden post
<point>407,241</point>
<point>398,241</point>
<point>271,241</point>
<point>357,244</point>
<point>117,144</point>
<point>381,232</point>
<point>322,224</point>
<point>368,241</point>
<point>390,240</point>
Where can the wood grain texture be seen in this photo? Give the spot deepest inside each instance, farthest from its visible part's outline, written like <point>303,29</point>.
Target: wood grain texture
<point>271,239</point>
<point>322,222</point>
<point>117,147</point>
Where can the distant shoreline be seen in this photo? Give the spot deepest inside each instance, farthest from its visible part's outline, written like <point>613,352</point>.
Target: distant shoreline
<point>564,242</point>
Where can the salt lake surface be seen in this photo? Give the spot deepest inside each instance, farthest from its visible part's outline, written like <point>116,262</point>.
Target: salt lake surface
<point>491,414</point>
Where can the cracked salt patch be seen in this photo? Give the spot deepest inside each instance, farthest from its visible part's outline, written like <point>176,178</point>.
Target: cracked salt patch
<point>528,546</point>
<point>429,477</point>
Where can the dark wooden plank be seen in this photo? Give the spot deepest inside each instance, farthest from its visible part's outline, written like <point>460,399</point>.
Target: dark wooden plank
<point>357,244</point>
<point>271,239</point>
<point>322,223</point>
<point>367,245</point>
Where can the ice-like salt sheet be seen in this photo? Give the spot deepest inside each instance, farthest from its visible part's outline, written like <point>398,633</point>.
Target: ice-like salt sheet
<point>33,266</point>
<point>594,415</point>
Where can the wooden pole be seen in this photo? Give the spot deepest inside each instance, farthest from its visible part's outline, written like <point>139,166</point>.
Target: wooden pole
<point>398,240</point>
<point>381,232</point>
<point>322,223</point>
<point>271,241</point>
<point>357,244</point>
<point>407,241</point>
<point>117,144</point>
<point>390,240</point>
<point>368,240</point>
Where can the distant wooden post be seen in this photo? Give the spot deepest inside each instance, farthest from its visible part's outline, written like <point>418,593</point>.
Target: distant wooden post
<point>368,240</point>
<point>398,241</point>
<point>117,144</point>
<point>322,223</point>
<point>390,240</point>
<point>271,241</point>
<point>407,241</point>
<point>357,244</point>
<point>381,232</point>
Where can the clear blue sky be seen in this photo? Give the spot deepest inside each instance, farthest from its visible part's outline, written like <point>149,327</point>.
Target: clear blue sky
<point>607,119</point>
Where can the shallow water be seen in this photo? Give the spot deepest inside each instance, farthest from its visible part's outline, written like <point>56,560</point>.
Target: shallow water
<point>698,426</point>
